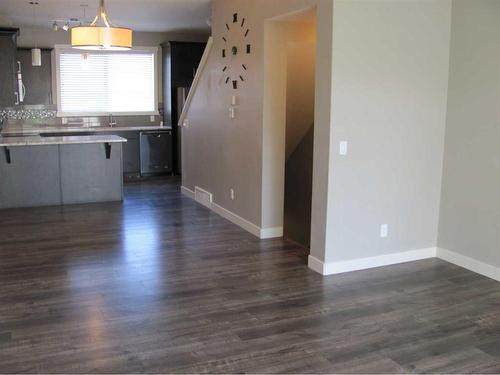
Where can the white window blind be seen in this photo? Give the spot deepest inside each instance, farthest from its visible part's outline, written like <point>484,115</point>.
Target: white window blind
<point>97,83</point>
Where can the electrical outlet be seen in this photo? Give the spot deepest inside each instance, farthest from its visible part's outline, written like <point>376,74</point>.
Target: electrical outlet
<point>231,192</point>
<point>384,230</point>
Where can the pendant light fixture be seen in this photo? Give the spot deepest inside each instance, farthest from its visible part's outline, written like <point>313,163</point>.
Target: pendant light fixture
<point>101,34</point>
<point>36,53</point>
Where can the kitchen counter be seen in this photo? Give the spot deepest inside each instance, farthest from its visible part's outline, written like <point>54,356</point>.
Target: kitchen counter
<point>35,129</point>
<point>43,141</point>
<point>44,171</point>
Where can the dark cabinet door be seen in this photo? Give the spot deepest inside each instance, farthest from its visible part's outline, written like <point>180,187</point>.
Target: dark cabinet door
<point>8,51</point>
<point>132,155</point>
<point>180,63</point>
<point>36,79</point>
<point>131,152</point>
<point>186,57</point>
<point>156,152</point>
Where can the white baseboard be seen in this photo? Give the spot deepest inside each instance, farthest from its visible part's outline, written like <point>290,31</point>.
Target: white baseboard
<point>316,265</point>
<point>187,192</point>
<point>262,233</point>
<point>469,263</point>
<point>333,268</point>
<point>275,232</point>
<point>364,263</point>
<point>235,219</point>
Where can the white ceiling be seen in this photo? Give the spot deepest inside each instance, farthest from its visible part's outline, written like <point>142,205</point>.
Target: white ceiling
<point>140,15</point>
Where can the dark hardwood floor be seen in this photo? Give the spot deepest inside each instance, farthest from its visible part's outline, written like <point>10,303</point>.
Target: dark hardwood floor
<point>161,284</point>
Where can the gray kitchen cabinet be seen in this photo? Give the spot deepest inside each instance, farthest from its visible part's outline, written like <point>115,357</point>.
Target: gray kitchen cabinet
<point>45,175</point>
<point>36,79</point>
<point>8,56</point>
<point>131,152</point>
<point>97,180</point>
<point>131,156</point>
<point>32,178</point>
<point>146,153</point>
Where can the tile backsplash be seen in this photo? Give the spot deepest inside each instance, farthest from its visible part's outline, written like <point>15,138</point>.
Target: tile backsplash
<point>47,115</point>
<point>27,113</point>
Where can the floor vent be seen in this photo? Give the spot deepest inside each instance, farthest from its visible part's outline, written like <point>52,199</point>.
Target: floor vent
<point>203,197</point>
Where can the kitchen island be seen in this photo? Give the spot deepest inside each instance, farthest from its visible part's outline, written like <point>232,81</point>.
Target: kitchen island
<point>157,157</point>
<point>43,171</point>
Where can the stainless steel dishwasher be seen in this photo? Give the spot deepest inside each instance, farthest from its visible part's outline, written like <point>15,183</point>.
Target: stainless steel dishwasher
<point>156,152</point>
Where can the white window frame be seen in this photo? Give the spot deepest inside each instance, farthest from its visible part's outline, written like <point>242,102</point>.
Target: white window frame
<point>56,84</point>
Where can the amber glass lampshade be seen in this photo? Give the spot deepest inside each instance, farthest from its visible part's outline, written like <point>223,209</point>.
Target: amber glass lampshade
<point>101,34</point>
<point>101,38</point>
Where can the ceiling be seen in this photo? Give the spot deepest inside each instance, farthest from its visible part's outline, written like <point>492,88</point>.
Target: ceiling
<point>140,15</point>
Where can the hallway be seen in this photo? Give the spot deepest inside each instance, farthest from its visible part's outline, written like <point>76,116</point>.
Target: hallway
<point>162,284</point>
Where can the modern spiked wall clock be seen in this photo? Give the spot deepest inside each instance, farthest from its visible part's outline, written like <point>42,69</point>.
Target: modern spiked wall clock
<point>235,50</point>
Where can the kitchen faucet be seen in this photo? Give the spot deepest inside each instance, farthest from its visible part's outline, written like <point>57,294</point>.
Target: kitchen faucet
<point>112,121</point>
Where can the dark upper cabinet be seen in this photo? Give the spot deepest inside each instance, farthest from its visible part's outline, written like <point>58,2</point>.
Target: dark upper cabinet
<point>8,58</point>
<point>36,79</point>
<point>184,60</point>
<point>180,62</point>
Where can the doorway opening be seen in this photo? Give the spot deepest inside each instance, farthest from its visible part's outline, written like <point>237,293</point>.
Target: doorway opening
<point>290,50</point>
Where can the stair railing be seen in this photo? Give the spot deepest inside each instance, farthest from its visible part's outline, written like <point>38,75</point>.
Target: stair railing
<point>196,81</point>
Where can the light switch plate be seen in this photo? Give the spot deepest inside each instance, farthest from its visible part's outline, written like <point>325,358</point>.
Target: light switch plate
<point>185,123</point>
<point>343,148</point>
<point>152,118</point>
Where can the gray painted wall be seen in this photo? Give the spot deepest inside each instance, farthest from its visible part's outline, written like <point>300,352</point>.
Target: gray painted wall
<point>390,78</point>
<point>220,153</point>
<point>470,201</point>
<point>390,81</point>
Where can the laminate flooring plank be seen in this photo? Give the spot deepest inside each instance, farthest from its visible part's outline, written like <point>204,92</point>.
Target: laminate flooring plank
<point>160,284</point>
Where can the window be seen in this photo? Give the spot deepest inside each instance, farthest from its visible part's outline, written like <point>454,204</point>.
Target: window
<point>99,83</point>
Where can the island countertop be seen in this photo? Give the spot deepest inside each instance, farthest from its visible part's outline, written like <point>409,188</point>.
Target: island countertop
<point>44,141</point>
<point>36,129</point>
